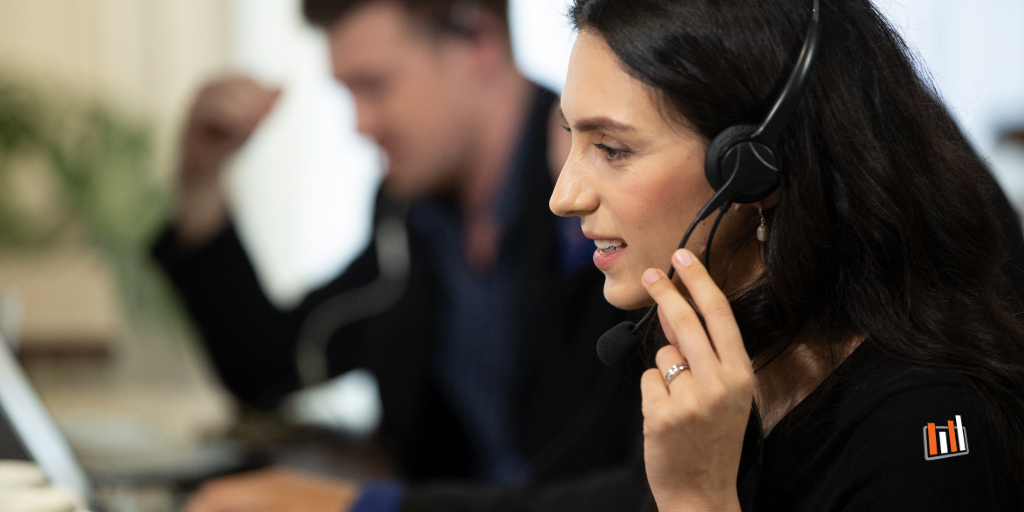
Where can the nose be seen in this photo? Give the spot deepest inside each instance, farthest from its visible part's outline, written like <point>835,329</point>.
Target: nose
<point>573,194</point>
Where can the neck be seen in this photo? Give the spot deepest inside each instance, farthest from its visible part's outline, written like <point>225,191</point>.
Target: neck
<point>793,375</point>
<point>496,131</point>
<point>787,379</point>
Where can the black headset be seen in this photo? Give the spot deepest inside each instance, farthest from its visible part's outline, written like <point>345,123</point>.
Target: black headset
<point>741,165</point>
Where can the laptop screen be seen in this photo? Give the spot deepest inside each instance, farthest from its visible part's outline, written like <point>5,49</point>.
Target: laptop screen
<point>10,442</point>
<point>28,432</point>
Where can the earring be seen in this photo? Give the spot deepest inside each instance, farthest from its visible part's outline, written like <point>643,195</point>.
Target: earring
<point>762,230</point>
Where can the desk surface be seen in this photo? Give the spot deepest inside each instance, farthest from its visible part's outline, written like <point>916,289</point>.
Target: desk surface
<point>155,406</point>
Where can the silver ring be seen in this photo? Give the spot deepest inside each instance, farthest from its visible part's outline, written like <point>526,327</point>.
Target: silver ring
<point>676,368</point>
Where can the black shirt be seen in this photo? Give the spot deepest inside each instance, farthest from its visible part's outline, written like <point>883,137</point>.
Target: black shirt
<point>861,441</point>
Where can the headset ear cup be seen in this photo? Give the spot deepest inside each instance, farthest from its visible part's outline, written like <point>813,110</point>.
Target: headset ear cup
<point>721,145</point>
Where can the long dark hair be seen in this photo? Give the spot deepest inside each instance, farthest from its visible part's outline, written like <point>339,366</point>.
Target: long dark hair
<point>884,227</point>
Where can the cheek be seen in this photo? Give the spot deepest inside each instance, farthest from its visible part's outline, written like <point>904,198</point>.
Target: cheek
<point>426,124</point>
<point>411,117</point>
<point>657,223</point>
<point>429,109</point>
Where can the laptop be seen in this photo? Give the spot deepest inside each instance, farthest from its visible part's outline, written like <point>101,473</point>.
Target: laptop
<point>28,432</point>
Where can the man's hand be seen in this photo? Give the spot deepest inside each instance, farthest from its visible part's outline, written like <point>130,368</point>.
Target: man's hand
<point>224,115</point>
<point>273,490</point>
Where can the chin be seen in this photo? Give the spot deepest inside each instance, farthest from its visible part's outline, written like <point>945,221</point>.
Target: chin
<point>624,296</point>
<point>404,188</point>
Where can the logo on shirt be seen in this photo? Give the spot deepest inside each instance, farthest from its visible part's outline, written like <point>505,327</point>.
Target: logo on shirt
<point>945,441</point>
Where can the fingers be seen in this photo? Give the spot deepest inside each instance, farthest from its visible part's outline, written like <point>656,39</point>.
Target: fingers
<point>234,106</point>
<point>694,425</point>
<point>677,315</point>
<point>670,334</point>
<point>224,115</point>
<point>666,358</point>
<point>653,391</point>
<point>660,403</point>
<point>714,307</point>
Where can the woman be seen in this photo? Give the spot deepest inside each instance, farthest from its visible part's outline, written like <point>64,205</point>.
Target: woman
<point>870,327</point>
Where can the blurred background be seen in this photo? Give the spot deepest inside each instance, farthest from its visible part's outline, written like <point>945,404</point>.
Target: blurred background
<point>92,97</point>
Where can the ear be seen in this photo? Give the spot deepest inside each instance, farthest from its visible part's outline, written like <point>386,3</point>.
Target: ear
<point>772,199</point>
<point>766,203</point>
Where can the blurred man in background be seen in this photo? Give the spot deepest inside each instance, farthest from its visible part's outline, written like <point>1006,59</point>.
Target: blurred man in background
<point>486,364</point>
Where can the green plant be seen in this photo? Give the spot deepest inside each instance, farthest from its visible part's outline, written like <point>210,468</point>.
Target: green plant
<point>98,172</point>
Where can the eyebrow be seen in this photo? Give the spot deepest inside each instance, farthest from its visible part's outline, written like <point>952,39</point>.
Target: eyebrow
<point>598,124</point>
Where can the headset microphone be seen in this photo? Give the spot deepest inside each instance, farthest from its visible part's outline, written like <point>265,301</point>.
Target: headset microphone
<point>742,168</point>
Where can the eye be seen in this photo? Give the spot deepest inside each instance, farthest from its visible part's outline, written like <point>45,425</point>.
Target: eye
<point>612,153</point>
<point>566,128</point>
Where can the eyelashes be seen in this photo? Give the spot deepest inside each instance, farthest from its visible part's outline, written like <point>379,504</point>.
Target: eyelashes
<point>612,153</point>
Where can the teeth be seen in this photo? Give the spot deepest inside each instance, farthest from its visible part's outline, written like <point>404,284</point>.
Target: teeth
<point>607,244</point>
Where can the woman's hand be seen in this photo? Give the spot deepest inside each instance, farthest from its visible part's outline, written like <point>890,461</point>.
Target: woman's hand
<point>694,426</point>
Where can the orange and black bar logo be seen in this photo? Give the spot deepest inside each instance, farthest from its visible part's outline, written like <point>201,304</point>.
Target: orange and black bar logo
<point>946,441</point>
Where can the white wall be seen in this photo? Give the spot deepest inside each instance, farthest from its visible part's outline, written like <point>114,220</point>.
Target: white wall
<point>302,190</point>
<point>542,39</point>
<point>974,52</point>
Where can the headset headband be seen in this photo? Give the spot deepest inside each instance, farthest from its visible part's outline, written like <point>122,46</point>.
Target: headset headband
<point>780,113</point>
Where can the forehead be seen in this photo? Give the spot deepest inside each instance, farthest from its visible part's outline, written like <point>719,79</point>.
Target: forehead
<point>374,35</point>
<point>598,85</point>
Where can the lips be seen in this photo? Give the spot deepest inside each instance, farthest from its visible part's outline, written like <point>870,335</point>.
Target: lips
<point>608,251</point>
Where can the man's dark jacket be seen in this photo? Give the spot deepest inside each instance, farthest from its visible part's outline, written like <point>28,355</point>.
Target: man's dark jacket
<point>572,415</point>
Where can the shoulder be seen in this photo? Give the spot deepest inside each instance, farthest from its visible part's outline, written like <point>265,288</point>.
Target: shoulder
<point>919,420</point>
<point>931,443</point>
<point>927,428</point>
<point>887,436</point>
